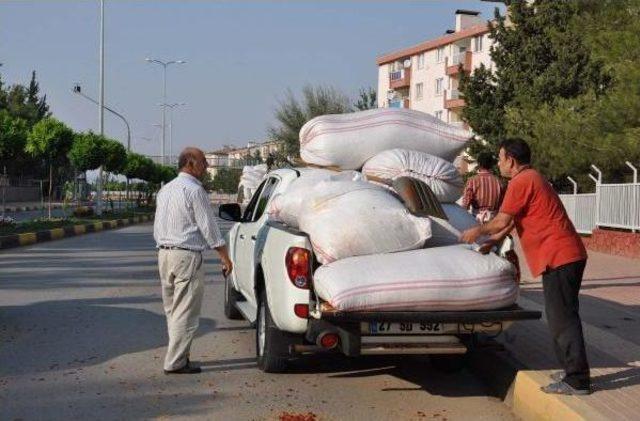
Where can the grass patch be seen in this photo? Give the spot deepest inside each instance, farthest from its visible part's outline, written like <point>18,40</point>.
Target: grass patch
<point>42,224</point>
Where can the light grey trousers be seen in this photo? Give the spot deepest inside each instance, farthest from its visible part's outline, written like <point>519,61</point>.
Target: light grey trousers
<point>182,278</point>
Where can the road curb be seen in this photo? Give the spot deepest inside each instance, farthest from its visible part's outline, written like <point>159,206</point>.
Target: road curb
<point>29,208</point>
<point>520,388</point>
<point>25,239</point>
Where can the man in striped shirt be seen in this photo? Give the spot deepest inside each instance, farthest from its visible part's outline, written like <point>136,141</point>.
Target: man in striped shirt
<point>483,192</point>
<point>184,227</point>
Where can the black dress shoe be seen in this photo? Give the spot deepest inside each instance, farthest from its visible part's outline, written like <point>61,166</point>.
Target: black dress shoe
<point>186,369</point>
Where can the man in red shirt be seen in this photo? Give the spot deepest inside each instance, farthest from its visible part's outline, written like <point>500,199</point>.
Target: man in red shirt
<point>483,191</point>
<point>553,249</point>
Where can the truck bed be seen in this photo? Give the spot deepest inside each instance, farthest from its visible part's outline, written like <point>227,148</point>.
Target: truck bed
<point>511,313</point>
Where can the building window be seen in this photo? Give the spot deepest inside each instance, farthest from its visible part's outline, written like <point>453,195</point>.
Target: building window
<point>477,43</point>
<point>440,55</point>
<point>439,84</point>
<point>421,61</point>
<point>438,115</point>
<point>419,90</point>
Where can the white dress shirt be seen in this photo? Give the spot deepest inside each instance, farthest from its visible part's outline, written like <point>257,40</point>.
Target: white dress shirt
<point>184,216</point>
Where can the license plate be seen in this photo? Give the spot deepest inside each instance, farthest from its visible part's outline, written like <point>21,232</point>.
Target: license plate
<point>385,328</point>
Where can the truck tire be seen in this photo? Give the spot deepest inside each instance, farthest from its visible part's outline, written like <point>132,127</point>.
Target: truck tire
<point>272,344</point>
<point>448,363</point>
<point>231,296</point>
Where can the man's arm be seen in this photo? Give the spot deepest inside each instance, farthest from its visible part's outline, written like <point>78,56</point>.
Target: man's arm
<point>497,228</point>
<point>206,221</point>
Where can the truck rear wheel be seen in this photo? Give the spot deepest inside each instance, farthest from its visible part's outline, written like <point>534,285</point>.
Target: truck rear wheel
<point>231,296</point>
<point>272,344</point>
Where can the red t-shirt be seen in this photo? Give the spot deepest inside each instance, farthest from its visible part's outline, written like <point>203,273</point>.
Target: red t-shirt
<point>548,237</point>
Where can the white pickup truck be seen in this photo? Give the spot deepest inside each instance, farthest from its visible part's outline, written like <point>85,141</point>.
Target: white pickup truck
<point>272,287</point>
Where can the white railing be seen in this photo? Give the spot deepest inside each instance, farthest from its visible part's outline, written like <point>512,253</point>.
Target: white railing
<point>619,206</point>
<point>454,94</point>
<point>612,205</point>
<point>581,208</point>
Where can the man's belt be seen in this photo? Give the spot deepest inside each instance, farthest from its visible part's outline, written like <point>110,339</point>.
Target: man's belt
<point>176,248</point>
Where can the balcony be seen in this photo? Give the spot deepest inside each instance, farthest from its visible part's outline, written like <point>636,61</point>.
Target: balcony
<point>453,67</point>
<point>399,103</point>
<point>400,78</point>
<point>453,99</point>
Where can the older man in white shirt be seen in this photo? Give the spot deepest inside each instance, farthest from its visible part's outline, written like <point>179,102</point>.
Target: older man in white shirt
<point>184,227</point>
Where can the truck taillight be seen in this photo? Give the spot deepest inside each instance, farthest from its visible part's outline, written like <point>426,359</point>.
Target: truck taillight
<point>298,262</point>
<point>512,257</point>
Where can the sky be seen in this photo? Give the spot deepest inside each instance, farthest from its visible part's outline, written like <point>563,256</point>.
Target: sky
<point>241,58</point>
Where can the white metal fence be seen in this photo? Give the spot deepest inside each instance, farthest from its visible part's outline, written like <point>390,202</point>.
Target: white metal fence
<point>612,205</point>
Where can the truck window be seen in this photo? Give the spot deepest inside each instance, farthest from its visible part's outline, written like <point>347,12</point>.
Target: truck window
<point>265,195</point>
<point>248,212</point>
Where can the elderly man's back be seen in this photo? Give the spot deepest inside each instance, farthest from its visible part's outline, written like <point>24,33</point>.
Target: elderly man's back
<point>184,227</point>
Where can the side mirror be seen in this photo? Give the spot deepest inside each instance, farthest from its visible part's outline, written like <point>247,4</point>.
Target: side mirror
<point>230,212</point>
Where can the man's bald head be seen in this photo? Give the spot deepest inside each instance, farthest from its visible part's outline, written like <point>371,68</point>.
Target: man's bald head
<point>192,161</point>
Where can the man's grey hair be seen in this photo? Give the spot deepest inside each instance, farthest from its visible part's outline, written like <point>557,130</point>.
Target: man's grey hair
<point>189,157</point>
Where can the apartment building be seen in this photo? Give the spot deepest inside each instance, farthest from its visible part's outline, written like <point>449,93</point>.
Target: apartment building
<point>232,157</point>
<point>426,77</point>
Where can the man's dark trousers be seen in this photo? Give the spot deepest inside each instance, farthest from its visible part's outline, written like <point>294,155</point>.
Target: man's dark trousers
<point>561,288</point>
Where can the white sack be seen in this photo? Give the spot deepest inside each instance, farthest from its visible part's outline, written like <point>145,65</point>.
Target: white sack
<point>354,218</point>
<point>286,206</point>
<point>447,232</point>
<point>451,278</point>
<point>440,175</point>
<point>349,140</point>
<point>250,179</point>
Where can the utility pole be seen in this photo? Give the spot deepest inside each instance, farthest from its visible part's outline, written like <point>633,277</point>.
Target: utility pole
<point>101,107</point>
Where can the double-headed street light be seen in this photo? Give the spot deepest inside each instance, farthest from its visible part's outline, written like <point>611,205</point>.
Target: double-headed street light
<point>171,106</point>
<point>164,65</point>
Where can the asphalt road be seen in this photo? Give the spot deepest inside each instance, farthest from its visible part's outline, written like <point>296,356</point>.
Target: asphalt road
<point>82,336</point>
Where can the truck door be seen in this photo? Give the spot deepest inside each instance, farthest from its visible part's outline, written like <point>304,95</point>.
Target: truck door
<point>253,219</point>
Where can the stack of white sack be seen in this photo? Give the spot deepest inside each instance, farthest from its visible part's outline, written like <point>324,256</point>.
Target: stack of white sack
<point>451,278</point>
<point>439,174</point>
<point>250,179</point>
<point>345,218</point>
<point>286,206</point>
<point>347,141</point>
<point>447,232</point>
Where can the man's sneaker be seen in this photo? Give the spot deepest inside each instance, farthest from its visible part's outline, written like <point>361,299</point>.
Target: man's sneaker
<point>562,388</point>
<point>558,376</point>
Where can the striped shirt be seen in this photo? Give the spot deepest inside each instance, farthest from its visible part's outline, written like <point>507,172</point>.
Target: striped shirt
<point>184,216</point>
<point>483,192</point>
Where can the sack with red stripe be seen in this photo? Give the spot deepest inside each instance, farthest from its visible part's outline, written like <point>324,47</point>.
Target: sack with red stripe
<point>453,278</point>
<point>356,218</point>
<point>286,206</point>
<point>347,141</point>
<point>439,174</point>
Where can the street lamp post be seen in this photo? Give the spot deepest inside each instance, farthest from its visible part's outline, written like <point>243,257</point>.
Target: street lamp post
<point>77,89</point>
<point>164,65</point>
<point>101,107</point>
<point>171,107</point>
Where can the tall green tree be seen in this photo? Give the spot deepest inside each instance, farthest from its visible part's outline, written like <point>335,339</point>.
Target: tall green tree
<point>87,151</point>
<point>542,63</point>
<point>227,180</point>
<point>115,155</point>
<point>13,137</point>
<point>367,99</point>
<point>50,140</point>
<point>292,113</point>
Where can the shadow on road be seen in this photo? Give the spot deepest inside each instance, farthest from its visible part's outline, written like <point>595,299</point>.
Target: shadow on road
<point>71,334</point>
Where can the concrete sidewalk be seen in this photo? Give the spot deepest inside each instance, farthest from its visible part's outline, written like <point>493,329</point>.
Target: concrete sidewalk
<point>610,310</point>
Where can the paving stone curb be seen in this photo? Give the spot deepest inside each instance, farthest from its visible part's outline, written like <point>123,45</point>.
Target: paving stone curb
<point>25,239</point>
<point>520,388</point>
